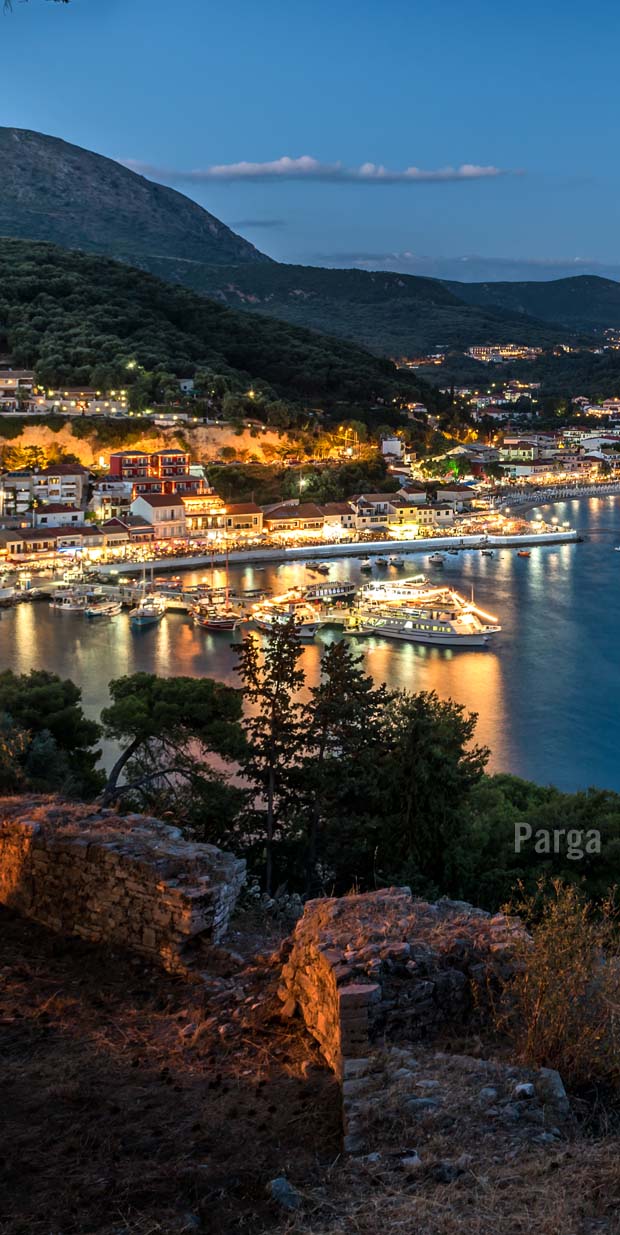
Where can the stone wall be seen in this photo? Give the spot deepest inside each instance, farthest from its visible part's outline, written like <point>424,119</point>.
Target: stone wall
<point>129,880</point>
<point>383,968</point>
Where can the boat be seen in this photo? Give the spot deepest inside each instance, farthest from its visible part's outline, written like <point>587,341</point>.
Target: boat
<point>616,548</point>
<point>453,552</point>
<point>365,564</point>
<point>7,592</point>
<point>107,608</point>
<point>148,611</point>
<point>69,600</point>
<point>523,553</point>
<point>215,617</point>
<point>216,612</point>
<point>323,568</point>
<point>488,552</point>
<point>436,559</point>
<point>381,561</point>
<point>431,615</point>
<point>267,617</point>
<point>397,561</point>
<point>330,590</point>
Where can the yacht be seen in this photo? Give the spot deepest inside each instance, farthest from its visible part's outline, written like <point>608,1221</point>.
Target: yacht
<point>148,611</point>
<point>105,609</point>
<point>431,615</point>
<point>269,616</point>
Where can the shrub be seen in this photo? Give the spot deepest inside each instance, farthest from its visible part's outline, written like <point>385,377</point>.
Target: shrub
<point>561,1008</point>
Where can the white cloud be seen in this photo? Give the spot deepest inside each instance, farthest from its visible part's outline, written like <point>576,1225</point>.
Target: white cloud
<point>308,168</point>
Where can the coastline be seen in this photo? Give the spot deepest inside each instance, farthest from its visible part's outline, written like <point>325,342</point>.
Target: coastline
<point>333,551</point>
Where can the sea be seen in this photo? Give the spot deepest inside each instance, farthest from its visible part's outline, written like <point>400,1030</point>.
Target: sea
<point>546,692</point>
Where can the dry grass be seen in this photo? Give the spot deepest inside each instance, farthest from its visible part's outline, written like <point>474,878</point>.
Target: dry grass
<point>562,1009</point>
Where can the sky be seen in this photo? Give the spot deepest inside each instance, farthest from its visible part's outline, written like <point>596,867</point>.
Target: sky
<point>468,139</point>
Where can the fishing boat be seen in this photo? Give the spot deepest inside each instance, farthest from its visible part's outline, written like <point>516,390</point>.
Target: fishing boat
<point>365,564</point>
<point>105,609</point>
<point>216,612</point>
<point>436,559</point>
<point>432,615</point>
<point>523,553</point>
<point>148,611</point>
<point>70,600</point>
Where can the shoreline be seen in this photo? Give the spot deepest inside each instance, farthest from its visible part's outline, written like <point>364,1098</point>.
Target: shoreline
<point>333,551</point>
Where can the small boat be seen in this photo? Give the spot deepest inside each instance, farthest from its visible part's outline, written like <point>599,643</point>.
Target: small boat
<point>616,548</point>
<point>68,602</point>
<point>488,553</point>
<point>397,561</point>
<point>381,561</point>
<point>437,559</point>
<point>365,564</point>
<point>454,552</point>
<point>148,611</point>
<point>323,568</point>
<point>107,608</point>
<point>523,553</point>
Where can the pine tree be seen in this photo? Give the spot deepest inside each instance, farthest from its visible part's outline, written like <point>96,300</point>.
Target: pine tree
<point>271,681</point>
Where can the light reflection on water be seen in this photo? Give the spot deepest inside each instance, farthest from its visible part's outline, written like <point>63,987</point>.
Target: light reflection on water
<point>546,692</point>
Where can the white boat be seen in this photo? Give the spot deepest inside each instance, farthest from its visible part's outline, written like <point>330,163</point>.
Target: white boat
<point>148,611</point>
<point>381,561</point>
<point>330,590</point>
<point>69,601</point>
<point>397,561</point>
<point>269,616</point>
<point>106,609</point>
<point>436,616</point>
<point>7,592</point>
<point>616,548</point>
<point>436,559</point>
<point>365,564</point>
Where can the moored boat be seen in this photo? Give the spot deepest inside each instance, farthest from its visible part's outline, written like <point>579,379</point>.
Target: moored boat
<point>105,609</point>
<point>148,611</point>
<point>436,559</point>
<point>365,564</point>
<point>523,553</point>
<point>438,616</point>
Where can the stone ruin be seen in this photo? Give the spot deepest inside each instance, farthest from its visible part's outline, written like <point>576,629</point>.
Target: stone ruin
<point>128,880</point>
<point>376,977</point>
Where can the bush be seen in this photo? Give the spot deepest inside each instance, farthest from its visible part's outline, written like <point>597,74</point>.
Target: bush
<point>561,1008</point>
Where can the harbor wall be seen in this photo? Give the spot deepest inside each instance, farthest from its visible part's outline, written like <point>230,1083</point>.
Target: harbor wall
<point>327,551</point>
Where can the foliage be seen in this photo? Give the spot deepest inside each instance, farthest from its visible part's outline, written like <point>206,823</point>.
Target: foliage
<point>561,1007</point>
<point>170,728</point>
<point>77,318</point>
<point>54,744</point>
<point>271,681</point>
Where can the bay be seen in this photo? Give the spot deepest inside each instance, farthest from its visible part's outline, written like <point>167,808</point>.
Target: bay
<point>547,692</point>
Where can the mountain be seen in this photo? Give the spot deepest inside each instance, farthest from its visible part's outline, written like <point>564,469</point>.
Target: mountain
<point>391,314</point>
<point>583,302</point>
<point>56,192</point>
<point>78,318</point>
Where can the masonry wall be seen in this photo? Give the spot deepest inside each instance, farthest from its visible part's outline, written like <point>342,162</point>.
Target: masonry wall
<point>382,968</point>
<point>129,880</point>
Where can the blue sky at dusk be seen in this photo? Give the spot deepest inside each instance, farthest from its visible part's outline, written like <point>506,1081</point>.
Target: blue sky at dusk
<point>519,102</point>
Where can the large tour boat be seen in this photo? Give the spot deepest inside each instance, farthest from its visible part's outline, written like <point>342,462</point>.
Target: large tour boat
<point>277,612</point>
<point>422,614</point>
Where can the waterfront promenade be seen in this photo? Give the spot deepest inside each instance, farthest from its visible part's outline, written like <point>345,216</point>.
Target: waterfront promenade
<point>329,551</point>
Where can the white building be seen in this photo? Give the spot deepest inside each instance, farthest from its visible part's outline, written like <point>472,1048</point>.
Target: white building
<point>165,512</point>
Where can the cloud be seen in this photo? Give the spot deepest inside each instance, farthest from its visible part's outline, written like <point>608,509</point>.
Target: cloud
<point>308,168</point>
<point>470,268</point>
<point>251,223</point>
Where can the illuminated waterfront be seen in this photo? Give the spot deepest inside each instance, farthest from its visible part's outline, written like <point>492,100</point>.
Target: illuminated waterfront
<point>547,691</point>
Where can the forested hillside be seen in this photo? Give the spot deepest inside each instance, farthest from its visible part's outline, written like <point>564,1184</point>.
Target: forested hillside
<point>77,318</point>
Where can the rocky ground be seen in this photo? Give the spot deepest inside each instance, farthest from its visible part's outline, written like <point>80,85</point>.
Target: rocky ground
<point>136,1103</point>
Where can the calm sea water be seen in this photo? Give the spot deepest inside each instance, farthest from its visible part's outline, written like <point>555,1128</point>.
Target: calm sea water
<point>547,693</point>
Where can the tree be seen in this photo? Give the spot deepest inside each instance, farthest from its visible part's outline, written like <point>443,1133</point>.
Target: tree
<point>170,728</point>
<point>430,770</point>
<point>342,723</point>
<point>57,743</point>
<point>271,682</point>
